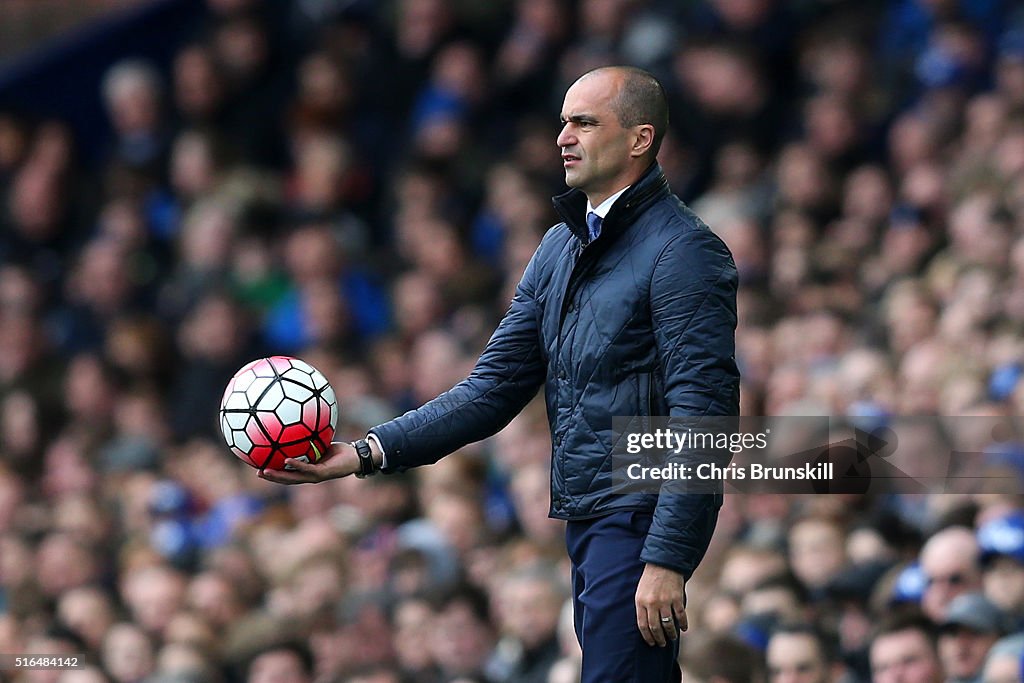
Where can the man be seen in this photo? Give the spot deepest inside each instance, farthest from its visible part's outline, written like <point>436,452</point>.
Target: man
<point>627,308</point>
<point>799,654</point>
<point>817,551</point>
<point>1001,542</point>
<point>721,658</point>
<point>529,605</point>
<point>903,650</point>
<point>1003,663</point>
<point>949,560</point>
<point>971,627</point>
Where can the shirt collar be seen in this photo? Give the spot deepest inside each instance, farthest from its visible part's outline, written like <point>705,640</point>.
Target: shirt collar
<point>604,207</point>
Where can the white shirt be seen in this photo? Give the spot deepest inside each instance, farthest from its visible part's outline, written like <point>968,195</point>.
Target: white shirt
<point>604,207</point>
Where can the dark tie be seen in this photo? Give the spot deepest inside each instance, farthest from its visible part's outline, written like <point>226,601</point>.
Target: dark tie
<point>593,225</point>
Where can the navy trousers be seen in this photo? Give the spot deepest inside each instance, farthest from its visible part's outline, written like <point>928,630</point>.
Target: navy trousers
<point>606,568</point>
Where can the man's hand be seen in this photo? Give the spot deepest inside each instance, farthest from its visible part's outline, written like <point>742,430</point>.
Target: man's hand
<point>339,461</point>
<point>659,605</point>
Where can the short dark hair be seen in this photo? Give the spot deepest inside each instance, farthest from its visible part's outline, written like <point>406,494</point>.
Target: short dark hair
<point>284,644</point>
<point>642,99</point>
<point>722,655</point>
<point>827,646</point>
<point>906,620</point>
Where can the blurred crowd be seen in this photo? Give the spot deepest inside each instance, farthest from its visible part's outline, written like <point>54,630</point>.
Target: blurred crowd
<point>361,184</point>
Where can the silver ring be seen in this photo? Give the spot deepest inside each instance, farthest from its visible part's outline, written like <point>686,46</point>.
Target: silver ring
<point>666,620</point>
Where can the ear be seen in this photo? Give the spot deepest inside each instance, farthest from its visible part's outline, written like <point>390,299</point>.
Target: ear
<point>642,141</point>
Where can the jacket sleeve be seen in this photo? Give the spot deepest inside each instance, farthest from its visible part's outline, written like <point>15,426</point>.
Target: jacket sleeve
<point>693,311</point>
<point>506,377</point>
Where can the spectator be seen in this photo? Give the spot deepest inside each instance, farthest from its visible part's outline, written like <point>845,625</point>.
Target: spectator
<point>128,653</point>
<point>462,638</point>
<point>949,561</point>
<point>713,658</point>
<point>1001,541</point>
<point>903,649</point>
<point>1004,660</point>
<point>799,654</point>
<point>816,551</point>
<point>529,603</point>
<point>133,93</point>
<point>968,631</point>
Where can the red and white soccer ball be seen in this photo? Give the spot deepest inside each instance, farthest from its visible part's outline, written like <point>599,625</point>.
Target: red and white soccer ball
<point>276,408</point>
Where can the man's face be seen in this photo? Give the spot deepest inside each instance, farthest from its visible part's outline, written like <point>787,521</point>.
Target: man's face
<point>1003,583</point>
<point>946,577</point>
<point>595,147</point>
<point>460,640</point>
<point>277,666</point>
<point>795,658</point>
<point>1003,668</point>
<point>904,657</point>
<point>817,551</point>
<point>530,611</point>
<point>963,651</point>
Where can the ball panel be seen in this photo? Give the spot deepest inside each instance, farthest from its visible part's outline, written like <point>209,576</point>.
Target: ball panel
<point>319,381</point>
<point>297,449</point>
<point>272,398</point>
<point>296,391</point>
<point>271,424</point>
<point>296,375</point>
<point>237,402</point>
<point>297,433</point>
<point>257,388</point>
<point>289,412</point>
<point>324,418</point>
<point>263,368</point>
<point>236,420</point>
<point>280,363</point>
<point>257,434</point>
<point>243,380</point>
<point>311,413</point>
<point>241,439</point>
<point>303,366</point>
<point>225,431</point>
<point>259,456</point>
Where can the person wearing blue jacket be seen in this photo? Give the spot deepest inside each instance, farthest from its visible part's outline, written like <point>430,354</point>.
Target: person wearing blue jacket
<point>627,308</point>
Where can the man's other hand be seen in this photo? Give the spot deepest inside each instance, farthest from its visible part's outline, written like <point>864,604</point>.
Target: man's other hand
<point>659,605</point>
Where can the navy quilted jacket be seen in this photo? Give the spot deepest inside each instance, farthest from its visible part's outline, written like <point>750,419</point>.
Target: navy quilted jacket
<point>639,322</point>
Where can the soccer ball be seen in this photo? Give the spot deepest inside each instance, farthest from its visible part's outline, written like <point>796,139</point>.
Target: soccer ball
<point>276,408</point>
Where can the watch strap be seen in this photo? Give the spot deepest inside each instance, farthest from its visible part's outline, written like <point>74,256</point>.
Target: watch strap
<point>366,466</point>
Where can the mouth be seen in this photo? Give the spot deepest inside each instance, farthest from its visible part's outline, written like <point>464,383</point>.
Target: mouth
<point>569,159</point>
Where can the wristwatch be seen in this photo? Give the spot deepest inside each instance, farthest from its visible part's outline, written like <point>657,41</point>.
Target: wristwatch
<point>366,466</point>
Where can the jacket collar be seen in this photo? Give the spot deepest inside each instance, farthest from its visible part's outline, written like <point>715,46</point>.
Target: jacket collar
<point>572,205</point>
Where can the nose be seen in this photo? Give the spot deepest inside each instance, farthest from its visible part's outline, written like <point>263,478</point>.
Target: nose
<point>565,137</point>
